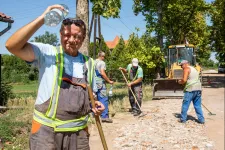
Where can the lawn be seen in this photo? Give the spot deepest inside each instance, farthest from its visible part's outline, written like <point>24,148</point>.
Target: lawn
<point>23,90</point>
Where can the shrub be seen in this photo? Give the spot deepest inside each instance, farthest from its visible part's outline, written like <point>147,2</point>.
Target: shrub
<point>6,93</point>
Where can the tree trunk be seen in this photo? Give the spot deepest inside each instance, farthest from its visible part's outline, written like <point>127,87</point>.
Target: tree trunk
<point>160,35</point>
<point>82,11</point>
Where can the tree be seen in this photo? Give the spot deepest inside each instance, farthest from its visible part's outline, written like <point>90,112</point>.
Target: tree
<point>218,29</point>
<point>105,8</point>
<point>47,38</point>
<point>82,11</point>
<point>176,21</point>
<point>116,60</point>
<point>6,93</point>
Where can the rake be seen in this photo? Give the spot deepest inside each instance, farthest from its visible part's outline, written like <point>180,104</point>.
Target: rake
<point>142,114</point>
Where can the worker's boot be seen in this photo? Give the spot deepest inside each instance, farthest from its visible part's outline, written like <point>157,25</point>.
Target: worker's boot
<point>107,120</point>
<point>137,113</point>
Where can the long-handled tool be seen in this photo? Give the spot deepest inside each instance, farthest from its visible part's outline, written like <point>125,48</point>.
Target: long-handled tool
<point>210,113</point>
<point>97,120</point>
<point>142,114</point>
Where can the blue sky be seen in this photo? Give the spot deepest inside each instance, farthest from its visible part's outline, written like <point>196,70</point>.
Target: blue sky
<point>24,11</point>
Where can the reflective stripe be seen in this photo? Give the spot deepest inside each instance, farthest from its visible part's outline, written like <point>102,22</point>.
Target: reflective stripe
<point>191,83</point>
<point>89,64</point>
<point>51,112</point>
<point>60,125</point>
<point>49,119</point>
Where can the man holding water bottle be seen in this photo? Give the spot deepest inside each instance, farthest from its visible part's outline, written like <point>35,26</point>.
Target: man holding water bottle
<point>101,79</point>
<point>62,106</point>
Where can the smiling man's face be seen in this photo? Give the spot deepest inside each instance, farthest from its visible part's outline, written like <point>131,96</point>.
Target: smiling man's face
<point>72,38</point>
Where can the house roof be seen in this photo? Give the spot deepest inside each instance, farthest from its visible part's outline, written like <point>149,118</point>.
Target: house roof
<point>112,44</point>
<point>5,18</point>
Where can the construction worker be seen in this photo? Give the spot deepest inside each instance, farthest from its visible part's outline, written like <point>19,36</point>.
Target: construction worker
<point>101,79</point>
<point>135,76</point>
<point>62,106</point>
<point>192,91</point>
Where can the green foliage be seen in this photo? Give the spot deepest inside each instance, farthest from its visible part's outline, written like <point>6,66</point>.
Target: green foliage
<point>116,60</point>
<point>176,21</point>
<point>47,38</point>
<point>6,93</point>
<point>16,70</point>
<point>9,126</point>
<point>218,29</point>
<point>106,8</point>
<point>142,48</point>
<point>99,44</point>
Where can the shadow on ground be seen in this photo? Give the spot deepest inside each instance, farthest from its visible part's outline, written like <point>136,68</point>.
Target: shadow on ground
<point>189,117</point>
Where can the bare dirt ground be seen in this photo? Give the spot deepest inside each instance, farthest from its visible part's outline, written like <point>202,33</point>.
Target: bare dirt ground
<point>159,129</point>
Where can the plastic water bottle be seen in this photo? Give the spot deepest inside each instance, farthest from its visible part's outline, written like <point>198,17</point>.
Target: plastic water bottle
<point>55,16</point>
<point>110,91</point>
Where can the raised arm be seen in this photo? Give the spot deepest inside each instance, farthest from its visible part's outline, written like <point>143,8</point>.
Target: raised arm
<point>18,44</point>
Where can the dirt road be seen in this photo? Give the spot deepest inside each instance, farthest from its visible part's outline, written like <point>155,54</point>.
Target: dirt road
<point>159,129</point>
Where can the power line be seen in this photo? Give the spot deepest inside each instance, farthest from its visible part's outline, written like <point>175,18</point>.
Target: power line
<point>112,28</point>
<point>124,24</point>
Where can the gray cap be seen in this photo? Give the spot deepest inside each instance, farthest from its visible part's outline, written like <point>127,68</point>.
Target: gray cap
<point>183,62</point>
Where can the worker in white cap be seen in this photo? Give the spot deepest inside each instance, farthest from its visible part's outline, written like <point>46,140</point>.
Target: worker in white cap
<point>135,77</point>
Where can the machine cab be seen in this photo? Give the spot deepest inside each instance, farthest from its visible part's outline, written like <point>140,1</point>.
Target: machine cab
<point>177,53</point>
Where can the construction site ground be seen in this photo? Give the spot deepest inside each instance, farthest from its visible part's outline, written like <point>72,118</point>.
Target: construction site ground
<point>159,129</point>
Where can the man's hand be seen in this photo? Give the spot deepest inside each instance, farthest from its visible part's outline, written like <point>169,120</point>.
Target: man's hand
<point>99,107</point>
<point>52,7</point>
<point>180,82</point>
<point>129,84</point>
<point>111,82</point>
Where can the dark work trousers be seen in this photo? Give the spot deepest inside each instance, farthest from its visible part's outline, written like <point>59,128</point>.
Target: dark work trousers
<point>137,90</point>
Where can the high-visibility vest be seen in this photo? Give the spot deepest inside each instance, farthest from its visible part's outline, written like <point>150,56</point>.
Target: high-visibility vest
<point>129,68</point>
<point>49,118</point>
<point>187,85</point>
<point>193,82</point>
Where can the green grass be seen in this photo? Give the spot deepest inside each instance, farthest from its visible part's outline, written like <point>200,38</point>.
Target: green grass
<point>12,129</point>
<point>22,88</point>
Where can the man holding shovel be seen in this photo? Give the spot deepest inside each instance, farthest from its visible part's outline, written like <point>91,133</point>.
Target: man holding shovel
<point>135,76</point>
<point>62,106</point>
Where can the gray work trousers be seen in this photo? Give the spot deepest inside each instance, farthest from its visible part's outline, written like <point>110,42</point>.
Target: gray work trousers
<point>46,139</point>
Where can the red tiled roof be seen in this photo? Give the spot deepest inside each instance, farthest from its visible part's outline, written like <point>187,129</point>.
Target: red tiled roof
<point>5,18</point>
<point>112,44</point>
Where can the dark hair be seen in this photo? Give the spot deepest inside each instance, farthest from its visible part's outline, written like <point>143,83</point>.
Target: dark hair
<point>78,22</point>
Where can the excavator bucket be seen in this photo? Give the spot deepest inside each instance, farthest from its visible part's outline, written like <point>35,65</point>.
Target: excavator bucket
<point>167,88</point>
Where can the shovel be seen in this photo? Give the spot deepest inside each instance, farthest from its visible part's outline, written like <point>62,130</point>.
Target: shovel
<point>97,119</point>
<point>142,114</point>
<point>210,113</point>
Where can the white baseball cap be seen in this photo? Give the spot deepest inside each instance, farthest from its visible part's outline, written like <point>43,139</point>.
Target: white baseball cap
<point>135,62</point>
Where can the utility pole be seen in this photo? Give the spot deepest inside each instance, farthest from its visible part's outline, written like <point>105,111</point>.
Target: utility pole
<point>97,23</point>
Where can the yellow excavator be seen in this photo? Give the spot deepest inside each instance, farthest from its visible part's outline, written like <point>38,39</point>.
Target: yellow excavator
<point>168,87</point>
